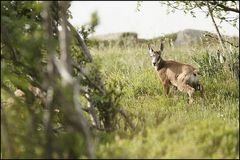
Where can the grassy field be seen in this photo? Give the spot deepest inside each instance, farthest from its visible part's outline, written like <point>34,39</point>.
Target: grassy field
<point>168,127</point>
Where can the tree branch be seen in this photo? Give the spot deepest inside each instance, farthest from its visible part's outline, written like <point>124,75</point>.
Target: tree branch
<point>92,110</point>
<point>216,27</point>
<point>66,59</point>
<point>225,8</point>
<point>83,46</point>
<point>87,78</point>
<point>124,114</point>
<point>49,79</point>
<point>83,122</point>
<point>76,116</point>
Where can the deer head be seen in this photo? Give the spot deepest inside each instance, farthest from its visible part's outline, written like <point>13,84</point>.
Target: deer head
<point>156,56</point>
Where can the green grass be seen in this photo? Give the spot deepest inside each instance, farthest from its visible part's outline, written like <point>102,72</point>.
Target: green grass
<point>168,127</point>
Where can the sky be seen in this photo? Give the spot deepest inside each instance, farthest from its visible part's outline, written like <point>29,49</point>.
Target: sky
<point>151,21</point>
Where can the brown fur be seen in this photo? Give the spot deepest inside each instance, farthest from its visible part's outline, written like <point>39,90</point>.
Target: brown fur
<point>182,76</point>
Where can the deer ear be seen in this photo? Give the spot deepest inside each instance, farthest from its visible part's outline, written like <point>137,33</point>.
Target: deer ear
<point>161,47</point>
<point>150,50</point>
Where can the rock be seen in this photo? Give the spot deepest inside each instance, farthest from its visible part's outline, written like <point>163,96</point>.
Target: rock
<point>19,93</point>
<point>188,37</point>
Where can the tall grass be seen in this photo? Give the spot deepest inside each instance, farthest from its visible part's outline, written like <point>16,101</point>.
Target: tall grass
<point>168,127</point>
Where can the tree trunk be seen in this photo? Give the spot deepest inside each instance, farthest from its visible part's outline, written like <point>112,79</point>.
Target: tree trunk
<point>216,27</point>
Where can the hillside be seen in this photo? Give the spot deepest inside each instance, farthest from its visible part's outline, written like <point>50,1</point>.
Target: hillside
<point>114,36</point>
<point>185,37</point>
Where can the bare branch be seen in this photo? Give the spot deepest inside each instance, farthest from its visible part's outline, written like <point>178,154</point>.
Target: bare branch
<point>66,76</point>
<point>87,78</point>
<point>124,114</point>
<point>50,90</point>
<point>83,122</point>
<point>65,70</point>
<point>216,27</point>
<point>92,110</point>
<point>64,37</point>
<point>83,46</point>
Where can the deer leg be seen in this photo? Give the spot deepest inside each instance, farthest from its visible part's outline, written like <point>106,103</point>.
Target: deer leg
<point>188,89</point>
<point>174,92</point>
<point>174,88</point>
<point>201,89</point>
<point>166,88</point>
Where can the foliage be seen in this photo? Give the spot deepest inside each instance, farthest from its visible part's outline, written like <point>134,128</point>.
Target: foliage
<point>221,9</point>
<point>25,62</point>
<point>164,127</point>
<point>209,65</point>
<point>89,28</point>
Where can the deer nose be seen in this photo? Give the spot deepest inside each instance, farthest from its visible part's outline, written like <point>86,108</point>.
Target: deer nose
<point>154,63</point>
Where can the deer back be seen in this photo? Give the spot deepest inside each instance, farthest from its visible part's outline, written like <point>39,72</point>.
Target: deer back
<point>174,71</point>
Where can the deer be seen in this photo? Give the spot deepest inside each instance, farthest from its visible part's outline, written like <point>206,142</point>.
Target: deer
<point>182,77</point>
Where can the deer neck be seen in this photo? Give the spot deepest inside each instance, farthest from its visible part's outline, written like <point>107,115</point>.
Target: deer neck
<point>160,64</point>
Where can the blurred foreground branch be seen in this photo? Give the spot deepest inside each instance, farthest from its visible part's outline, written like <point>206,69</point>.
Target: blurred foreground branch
<point>64,68</point>
<point>82,44</point>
